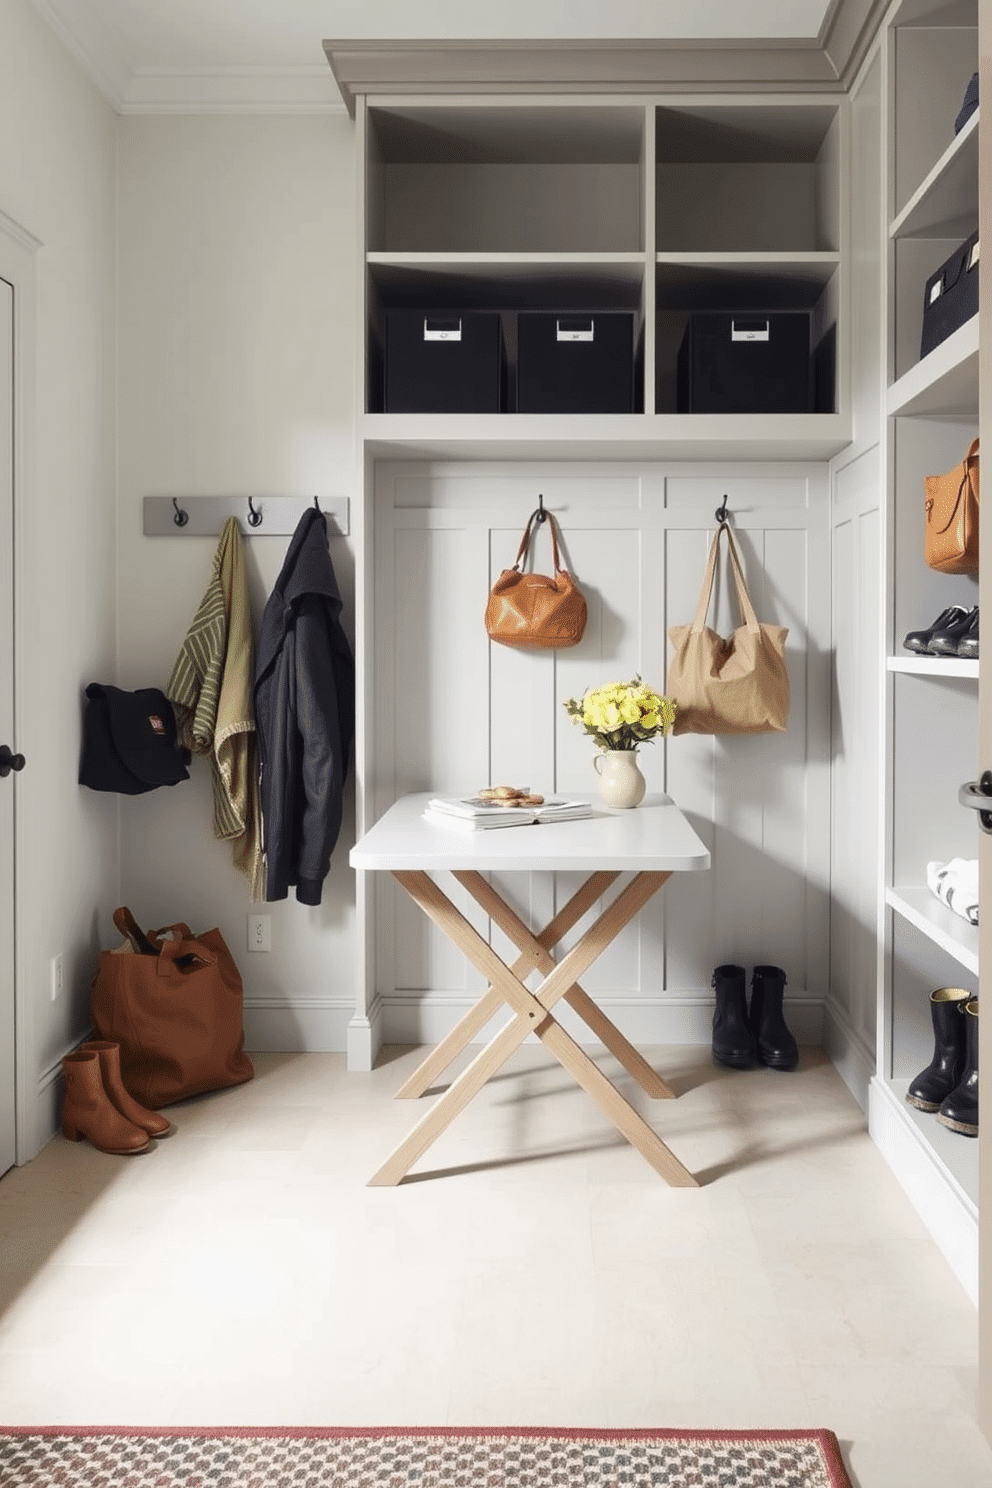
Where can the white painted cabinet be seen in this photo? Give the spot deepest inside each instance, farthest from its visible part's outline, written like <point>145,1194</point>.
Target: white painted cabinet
<point>930,727</point>
<point>657,206</point>
<point>595,203</point>
<point>838,205</point>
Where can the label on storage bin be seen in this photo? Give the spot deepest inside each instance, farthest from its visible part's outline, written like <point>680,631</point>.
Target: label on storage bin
<point>442,330</point>
<point>576,330</point>
<point>750,330</point>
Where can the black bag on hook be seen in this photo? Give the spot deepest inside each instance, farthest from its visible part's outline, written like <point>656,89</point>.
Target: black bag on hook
<point>129,741</point>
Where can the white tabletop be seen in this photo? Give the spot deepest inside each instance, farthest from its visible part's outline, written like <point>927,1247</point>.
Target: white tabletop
<point>654,836</point>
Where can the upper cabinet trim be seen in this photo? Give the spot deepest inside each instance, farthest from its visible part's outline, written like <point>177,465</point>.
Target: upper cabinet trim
<point>827,64</point>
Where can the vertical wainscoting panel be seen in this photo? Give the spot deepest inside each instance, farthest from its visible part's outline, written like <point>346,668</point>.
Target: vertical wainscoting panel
<point>857,692</point>
<point>454,712</point>
<point>761,802</point>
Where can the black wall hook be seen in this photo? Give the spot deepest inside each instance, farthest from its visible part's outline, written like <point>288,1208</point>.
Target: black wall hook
<point>181,517</point>
<point>541,513</point>
<point>254,517</point>
<point>722,514</point>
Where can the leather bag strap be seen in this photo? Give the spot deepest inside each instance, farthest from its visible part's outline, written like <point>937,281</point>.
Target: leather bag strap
<point>174,950</point>
<point>968,464</point>
<point>535,517</point>
<point>177,931</point>
<point>132,931</point>
<point>743,597</point>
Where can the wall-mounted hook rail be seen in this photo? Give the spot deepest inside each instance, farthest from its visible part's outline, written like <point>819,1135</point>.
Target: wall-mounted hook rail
<point>258,516</point>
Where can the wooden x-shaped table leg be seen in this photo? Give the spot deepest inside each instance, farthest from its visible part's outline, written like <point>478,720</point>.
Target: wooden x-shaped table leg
<point>535,954</point>
<point>532,1014</point>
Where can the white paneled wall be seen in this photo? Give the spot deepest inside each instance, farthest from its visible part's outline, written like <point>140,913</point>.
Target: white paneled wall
<point>858,691</point>
<point>454,712</point>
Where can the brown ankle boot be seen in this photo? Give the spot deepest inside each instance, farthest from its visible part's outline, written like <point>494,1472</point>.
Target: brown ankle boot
<point>110,1069</point>
<point>87,1110</point>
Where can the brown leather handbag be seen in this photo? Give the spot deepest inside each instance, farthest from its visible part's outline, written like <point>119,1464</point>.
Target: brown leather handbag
<point>950,539</point>
<point>733,685</point>
<point>532,609</point>
<point>173,1001</point>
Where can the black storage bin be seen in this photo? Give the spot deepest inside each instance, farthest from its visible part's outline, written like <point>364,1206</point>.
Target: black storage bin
<point>745,363</point>
<point>575,363</point>
<point>951,295</point>
<point>444,362</point>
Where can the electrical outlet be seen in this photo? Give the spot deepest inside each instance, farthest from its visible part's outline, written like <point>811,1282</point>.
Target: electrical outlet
<point>259,932</point>
<point>57,977</point>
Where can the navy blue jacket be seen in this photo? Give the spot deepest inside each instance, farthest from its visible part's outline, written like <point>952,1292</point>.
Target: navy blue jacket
<point>305,715</point>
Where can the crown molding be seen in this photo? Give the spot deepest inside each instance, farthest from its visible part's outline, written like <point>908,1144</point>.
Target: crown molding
<point>99,49</point>
<point>827,62</point>
<point>102,54</point>
<point>231,90</point>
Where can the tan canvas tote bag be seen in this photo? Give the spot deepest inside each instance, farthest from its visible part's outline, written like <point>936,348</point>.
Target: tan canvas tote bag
<point>737,685</point>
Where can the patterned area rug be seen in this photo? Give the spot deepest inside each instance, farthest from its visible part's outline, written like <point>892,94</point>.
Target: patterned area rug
<point>331,1457</point>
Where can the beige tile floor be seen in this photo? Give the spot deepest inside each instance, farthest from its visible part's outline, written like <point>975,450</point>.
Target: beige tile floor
<point>242,1272</point>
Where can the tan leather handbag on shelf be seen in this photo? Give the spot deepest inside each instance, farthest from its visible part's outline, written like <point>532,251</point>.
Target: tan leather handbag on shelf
<point>950,538</point>
<point>532,609</point>
<point>173,1001</point>
<point>738,685</point>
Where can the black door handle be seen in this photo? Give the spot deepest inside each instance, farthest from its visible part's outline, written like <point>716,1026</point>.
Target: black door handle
<point>9,761</point>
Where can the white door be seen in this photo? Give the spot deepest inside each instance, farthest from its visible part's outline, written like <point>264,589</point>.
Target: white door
<point>8,776</point>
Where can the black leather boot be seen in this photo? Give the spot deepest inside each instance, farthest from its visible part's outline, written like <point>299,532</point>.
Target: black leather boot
<point>945,1069</point>
<point>919,640</point>
<point>773,1042</point>
<point>945,641</point>
<point>732,1040</point>
<point>959,1110</point>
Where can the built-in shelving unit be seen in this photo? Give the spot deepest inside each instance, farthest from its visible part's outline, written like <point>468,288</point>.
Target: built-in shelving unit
<point>656,207</point>
<point>931,412</point>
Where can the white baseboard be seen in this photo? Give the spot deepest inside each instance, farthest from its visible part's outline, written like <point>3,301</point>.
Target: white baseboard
<point>319,1027</point>
<point>425,1019</point>
<point>365,1038</point>
<point>938,1199</point>
<point>853,1060</point>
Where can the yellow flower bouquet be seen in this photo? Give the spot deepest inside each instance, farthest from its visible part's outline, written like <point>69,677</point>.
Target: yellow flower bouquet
<point>622,715</point>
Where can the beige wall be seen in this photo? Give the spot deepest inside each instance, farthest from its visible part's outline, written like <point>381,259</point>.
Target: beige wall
<point>57,182</point>
<point>237,330</point>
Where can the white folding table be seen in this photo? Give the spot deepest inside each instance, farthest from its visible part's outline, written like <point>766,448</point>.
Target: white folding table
<point>652,842</point>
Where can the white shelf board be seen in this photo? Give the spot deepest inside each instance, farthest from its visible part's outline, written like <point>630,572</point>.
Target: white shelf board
<point>504,265</point>
<point>956,1154</point>
<point>817,265</point>
<point>946,929</point>
<point>945,205</point>
<point>945,383</point>
<point>762,281</point>
<point>934,666</point>
<point>634,436</point>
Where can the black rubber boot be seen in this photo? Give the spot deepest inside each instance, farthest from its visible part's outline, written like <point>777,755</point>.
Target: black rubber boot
<point>959,1110</point>
<point>732,1041</point>
<point>774,1044</point>
<point>950,1047</point>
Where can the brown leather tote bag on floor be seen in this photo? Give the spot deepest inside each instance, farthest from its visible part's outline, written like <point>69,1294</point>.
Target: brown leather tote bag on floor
<point>733,685</point>
<point>173,1001</point>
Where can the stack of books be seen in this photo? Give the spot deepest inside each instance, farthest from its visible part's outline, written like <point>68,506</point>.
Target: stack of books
<point>472,814</point>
